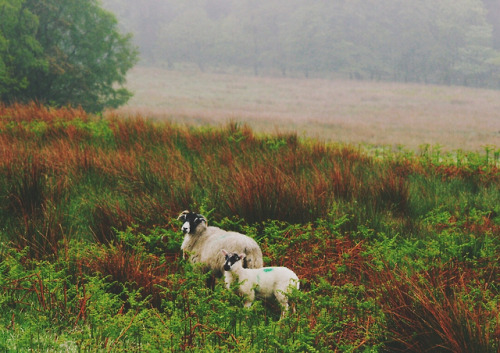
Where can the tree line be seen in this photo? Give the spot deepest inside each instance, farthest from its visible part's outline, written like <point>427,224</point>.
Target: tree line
<point>432,41</point>
<point>75,52</point>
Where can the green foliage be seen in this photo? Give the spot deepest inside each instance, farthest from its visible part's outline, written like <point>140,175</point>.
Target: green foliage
<point>191,317</point>
<point>20,52</point>
<point>62,54</point>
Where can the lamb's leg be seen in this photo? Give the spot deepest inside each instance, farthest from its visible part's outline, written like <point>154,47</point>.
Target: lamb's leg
<point>283,300</point>
<point>249,299</point>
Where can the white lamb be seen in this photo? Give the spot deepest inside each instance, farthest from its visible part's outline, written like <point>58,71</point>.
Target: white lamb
<point>203,243</point>
<point>263,282</point>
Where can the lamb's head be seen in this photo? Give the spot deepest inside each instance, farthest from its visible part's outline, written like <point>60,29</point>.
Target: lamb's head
<point>232,259</point>
<point>193,222</point>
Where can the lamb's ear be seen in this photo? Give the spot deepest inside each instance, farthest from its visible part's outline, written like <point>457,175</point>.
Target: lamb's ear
<point>242,256</point>
<point>224,252</point>
<point>182,216</point>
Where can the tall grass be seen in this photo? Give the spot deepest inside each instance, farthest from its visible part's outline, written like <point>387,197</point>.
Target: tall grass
<point>397,252</point>
<point>443,310</point>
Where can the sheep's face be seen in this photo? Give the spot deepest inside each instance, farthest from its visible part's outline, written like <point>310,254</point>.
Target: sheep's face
<point>231,259</point>
<point>191,221</point>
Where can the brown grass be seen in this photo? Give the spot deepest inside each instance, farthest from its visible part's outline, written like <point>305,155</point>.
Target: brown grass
<point>63,179</point>
<point>440,310</point>
<point>375,113</point>
<point>141,271</point>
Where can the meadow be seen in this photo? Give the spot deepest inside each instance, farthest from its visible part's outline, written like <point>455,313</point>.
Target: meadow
<point>396,250</point>
<point>327,109</point>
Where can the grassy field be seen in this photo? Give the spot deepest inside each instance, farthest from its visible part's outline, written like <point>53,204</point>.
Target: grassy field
<point>356,112</point>
<point>395,252</point>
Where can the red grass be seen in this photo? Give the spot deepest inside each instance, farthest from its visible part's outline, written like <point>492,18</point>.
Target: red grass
<point>149,172</point>
<point>439,311</point>
<point>36,112</point>
<point>144,272</point>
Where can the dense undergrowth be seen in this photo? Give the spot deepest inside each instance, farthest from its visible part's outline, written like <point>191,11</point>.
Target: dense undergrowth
<point>395,251</point>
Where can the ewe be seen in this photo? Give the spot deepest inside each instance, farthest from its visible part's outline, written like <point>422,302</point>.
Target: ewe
<point>263,282</point>
<point>203,243</point>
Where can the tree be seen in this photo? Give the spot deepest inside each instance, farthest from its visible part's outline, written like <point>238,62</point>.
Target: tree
<point>189,37</point>
<point>493,14</point>
<point>19,50</point>
<point>83,59</point>
<point>145,19</point>
<point>433,41</point>
<point>306,39</point>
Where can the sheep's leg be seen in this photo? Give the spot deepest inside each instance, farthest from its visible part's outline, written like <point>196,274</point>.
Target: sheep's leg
<point>284,310</point>
<point>249,299</point>
<point>211,281</point>
<point>283,300</point>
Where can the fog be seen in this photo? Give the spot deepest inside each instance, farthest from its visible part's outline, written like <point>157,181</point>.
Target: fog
<point>428,41</point>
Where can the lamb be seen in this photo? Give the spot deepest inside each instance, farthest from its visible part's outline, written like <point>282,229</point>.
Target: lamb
<point>264,282</point>
<point>202,244</point>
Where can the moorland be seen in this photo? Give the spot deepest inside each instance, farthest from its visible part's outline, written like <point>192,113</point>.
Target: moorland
<point>397,249</point>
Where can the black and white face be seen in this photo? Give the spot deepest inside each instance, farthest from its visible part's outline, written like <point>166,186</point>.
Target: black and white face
<point>231,259</point>
<point>191,221</point>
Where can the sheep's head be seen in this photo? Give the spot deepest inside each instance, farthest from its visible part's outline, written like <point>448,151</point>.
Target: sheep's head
<point>191,221</point>
<point>231,259</point>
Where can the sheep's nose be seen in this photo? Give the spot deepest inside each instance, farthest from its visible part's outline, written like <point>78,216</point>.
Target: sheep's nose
<point>185,227</point>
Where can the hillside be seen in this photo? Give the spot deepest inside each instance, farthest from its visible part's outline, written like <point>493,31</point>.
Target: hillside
<point>356,112</point>
<point>395,251</point>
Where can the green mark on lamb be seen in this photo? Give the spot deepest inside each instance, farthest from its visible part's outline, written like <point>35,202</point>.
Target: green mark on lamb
<point>267,269</point>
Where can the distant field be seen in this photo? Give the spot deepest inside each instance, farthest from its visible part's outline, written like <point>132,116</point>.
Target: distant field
<point>357,112</point>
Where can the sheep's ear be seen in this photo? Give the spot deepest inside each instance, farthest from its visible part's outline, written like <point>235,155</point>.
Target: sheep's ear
<point>242,256</point>
<point>224,252</point>
<point>182,216</point>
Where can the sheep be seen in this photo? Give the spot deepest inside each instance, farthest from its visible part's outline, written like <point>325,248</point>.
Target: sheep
<point>202,244</point>
<point>263,282</point>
